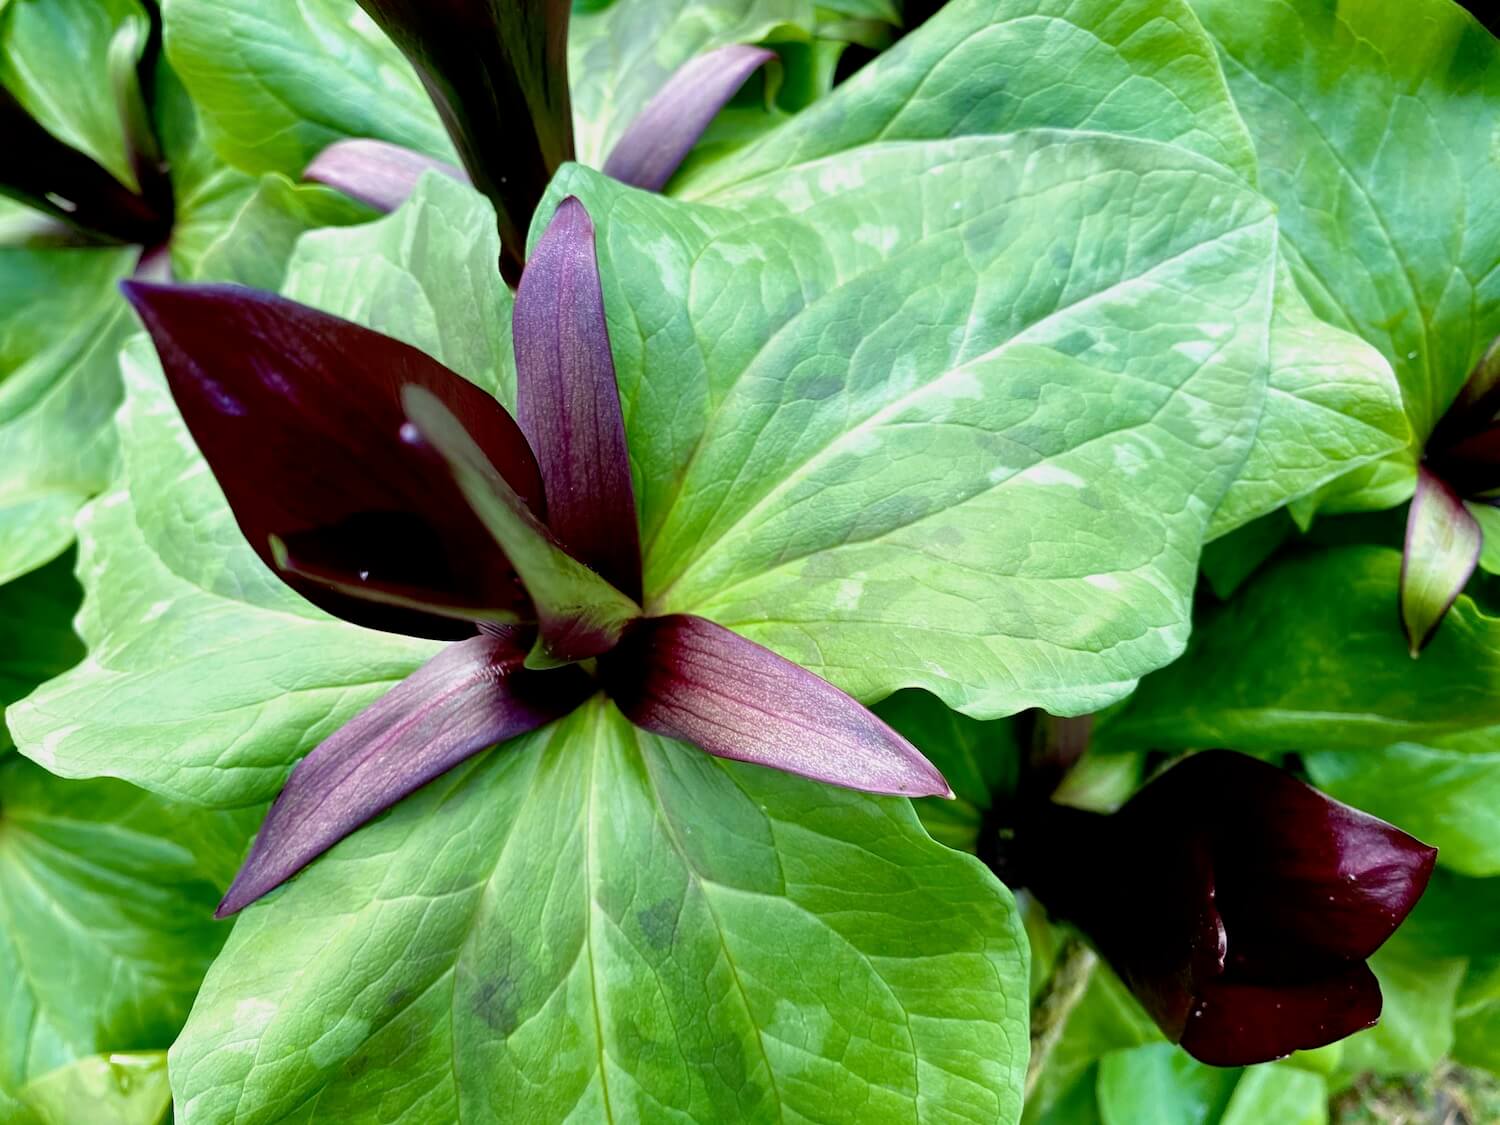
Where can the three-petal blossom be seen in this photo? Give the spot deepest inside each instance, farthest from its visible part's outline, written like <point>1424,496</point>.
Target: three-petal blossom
<point>395,494</point>
<point>1238,904</point>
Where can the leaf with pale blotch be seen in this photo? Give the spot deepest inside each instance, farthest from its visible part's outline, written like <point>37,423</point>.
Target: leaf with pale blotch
<point>121,1088</point>
<point>593,923</point>
<point>873,405</point>
<point>1330,667</point>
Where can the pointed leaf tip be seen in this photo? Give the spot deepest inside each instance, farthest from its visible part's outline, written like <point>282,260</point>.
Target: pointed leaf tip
<point>655,144</point>
<point>1443,543</point>
<point>298,414</point>
<point>686,678</point>
<point>470,696</point>
<point>568,401</point>
<point>579,614</point>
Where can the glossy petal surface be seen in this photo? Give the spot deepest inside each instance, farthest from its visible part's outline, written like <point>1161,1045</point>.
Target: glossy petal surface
<point>686,678</point>
<point>651,149</point>
<point>470,696</point>
<point>568,404</point>
<point>298,413</point>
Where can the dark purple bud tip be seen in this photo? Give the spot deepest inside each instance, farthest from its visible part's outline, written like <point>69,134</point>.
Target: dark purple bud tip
<point>1236,902</point>
<point>686,678</point>
<point>299,416</point>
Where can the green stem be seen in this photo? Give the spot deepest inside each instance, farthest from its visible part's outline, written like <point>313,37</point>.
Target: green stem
<point>1060,995</point>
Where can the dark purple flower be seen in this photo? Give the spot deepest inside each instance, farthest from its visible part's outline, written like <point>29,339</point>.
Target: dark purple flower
<point>1238,904</point>
<point>1460,468</point>
<point>497,71</point>
<point>395,494</point>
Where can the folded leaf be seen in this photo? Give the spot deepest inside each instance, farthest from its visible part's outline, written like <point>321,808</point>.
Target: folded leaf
<point>651,149</point>
<point>470,696</point>
<point>376,172</point>
<point>568,404</point>
<point>497,71</point>
<point>298,413</point>
<point>689,679</point>
<point>1443,542</point>
<point>578,613</point>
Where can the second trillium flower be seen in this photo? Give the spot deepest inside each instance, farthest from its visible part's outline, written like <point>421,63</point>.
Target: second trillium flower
<point>1238,904</point>
<point>393,493</point>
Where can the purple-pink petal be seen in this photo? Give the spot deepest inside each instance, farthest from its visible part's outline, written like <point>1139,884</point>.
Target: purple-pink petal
<point>299,416</point>
<point>376,173</point>
<point>470,696</point>
<point>686,678</point>
<point>665,131</point>
<point>568,403</point>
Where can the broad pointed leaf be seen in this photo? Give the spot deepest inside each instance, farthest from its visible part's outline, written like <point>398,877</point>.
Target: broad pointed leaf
<point>105,931</point>
<point>278,81</point>
<point>568,402</point>
<point>124,1088</point>
<point>37,610</point>
<point>686,678</point>
<point>650,151</point>
<point>378,173</point>
<point>299,414</point>
<point>593,922</point>
<point>578,613</point>
<point>1350,105</point>
<point>843,416</point>
<point>497,71</point>
<point>1443,542</point>
<point>471,695</point>
<point>1332,670</point>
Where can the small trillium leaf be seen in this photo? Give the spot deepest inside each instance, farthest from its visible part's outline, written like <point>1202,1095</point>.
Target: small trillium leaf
<point>686,678</point>
<point>299,415</point>
<point>568,404</point>
<point>497,71</point>
<point>663,133</point>
<point>1443,542</point>
<point>43,172</point>
<point>470,696</point>
<point>377,173</point>
<point>578,613</point>
<point>1239,1023</point>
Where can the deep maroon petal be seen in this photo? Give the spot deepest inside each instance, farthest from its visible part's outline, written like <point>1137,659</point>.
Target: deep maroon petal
<point>497,70</point>
<point>1300,877</point>
<point>468,697</point>
<point>377,173</point>
<point>43,172</point>
<point>568,403</point>
<point>299,415</point>
<point>689,679</point>
<point>665,131</point>
<point>1239,1024</point>
<point>578,614</point>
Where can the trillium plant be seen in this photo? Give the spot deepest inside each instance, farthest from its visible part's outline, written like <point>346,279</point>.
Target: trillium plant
<point>715,561</point>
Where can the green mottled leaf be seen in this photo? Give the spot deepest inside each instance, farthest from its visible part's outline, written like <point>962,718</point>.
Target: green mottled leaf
<point>54,59</point>
<point>1373,123</point>
<point>596,924</point>
<point>276,81</point>
<point>37,610</point>
<point>619,56</point>
<point>1310,656</point>
<point>1416,1019</point>
<point>1446,793</point>
<point>1488,516</point>
<point>122,1089</point>
<point>61,326</point>
<point>1282,1094</point>
<point>843,410</point>
<point>105,919</point>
